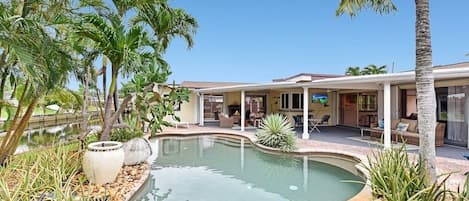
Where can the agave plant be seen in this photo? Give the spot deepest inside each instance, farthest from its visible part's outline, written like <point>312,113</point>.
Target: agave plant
<point>396,176</point>
<point>276,132</point>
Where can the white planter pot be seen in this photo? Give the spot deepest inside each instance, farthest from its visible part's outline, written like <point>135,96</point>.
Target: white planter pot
<point>136,151</point>
<point>103,161</point>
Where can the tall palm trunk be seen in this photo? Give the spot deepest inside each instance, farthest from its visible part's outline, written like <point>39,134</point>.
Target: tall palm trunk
<point>426,102</point>
<point>84,108</point>
<point>18,133</point>
<point>2,85</point>
<point>109,107</point>
<point>5,69</point>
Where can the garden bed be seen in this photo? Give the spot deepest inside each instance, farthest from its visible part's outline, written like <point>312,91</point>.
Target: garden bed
<point>55,174</point>
<point>128,181</point>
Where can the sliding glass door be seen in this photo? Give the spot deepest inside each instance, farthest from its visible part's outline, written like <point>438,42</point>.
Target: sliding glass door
<point>452,108</point>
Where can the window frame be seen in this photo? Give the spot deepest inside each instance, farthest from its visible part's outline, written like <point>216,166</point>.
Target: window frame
<point>286,101</point>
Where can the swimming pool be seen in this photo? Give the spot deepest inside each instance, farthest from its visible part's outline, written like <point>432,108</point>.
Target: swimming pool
<point>216,168</point>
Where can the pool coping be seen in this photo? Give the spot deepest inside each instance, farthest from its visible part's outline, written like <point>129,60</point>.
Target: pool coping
<point>364,195</point>
<point>137,188</point>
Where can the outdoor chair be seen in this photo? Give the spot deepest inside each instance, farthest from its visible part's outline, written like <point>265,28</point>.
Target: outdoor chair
<point>225,121</point>
<point>298,120</point>
<point>324,120</point>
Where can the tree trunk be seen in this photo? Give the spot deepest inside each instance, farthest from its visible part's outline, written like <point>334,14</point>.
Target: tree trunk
<point>99,105</point>
<point>5,69</point>
<point>116,103</point>
<point>426,102</point>
<point>107,116</point>
<point>2,85</point>
<point>12,125</point>
<point>104,81</point>
<point>21,127</point>
<point>9,148</point>
<point>14,90</point>
<point>84,108</point>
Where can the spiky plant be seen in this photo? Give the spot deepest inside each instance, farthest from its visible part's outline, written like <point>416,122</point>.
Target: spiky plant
<point>276,132</point>
<point>396,176</point>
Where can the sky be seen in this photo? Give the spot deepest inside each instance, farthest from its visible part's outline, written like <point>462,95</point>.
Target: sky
<point>259,40</point>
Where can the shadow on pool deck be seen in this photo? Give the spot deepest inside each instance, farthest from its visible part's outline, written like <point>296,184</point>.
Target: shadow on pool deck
<point>342,135</point>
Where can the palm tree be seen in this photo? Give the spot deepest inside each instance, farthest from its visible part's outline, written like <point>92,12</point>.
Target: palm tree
<point>353,71</point>
<point>373,69</point>
<point>36,55</point>
<point>128,48</point>
<point>426,101</point>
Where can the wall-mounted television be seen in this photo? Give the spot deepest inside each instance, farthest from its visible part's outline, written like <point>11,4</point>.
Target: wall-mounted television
<point>320,98</point>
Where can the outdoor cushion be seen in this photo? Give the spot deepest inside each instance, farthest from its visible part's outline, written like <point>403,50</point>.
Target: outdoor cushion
<point>402,127</point>
<point>394,123</point>
<point>412,124</point>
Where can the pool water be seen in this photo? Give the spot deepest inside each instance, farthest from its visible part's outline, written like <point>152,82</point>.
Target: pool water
<point>211,168</point>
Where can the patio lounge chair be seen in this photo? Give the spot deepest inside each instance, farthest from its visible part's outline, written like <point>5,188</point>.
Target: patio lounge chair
<point>298,120</point>
<point>225,121</point>
<point>179,124</point>
<point>324,120</point>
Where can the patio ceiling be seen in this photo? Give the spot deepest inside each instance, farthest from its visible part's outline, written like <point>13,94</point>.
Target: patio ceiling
<point>367,82</point>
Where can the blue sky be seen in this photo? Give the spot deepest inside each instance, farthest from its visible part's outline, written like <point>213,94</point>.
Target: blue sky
<point>257,41</point>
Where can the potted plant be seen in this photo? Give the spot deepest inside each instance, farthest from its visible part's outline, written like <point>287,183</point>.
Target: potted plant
<point>136,148</point>
<point>102,161</point>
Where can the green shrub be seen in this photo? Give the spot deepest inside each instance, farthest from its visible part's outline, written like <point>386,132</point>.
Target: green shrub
<point>124,135</point>
<point>463,195</point>
<point>396,177</point>
<point>40,175</point>
<point>276,132</point>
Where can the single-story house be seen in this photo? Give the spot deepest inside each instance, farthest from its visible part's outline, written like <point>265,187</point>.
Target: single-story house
<point>355,101</point>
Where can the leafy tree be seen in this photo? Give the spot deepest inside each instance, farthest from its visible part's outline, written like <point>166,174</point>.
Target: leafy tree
<point>353,71</point>
<point>154,99</point>
<point>374,69</point>
<point>423,72</point>
<point>127,48</point>
<point>30,33</point>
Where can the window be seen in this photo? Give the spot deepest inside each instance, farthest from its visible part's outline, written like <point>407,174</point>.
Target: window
<point>367,102</point>
<point>291,101</point>
<point>297,101</point>
<point>285,98</point>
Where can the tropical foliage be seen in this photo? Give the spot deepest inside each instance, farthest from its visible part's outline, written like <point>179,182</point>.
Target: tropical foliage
<point>426,101</point>
<point>43,43</point>
<point>368,70</point>
<point>150,106</point>
<point>395,176</point>
<point>33,51</point>
<point>374,69</point>
<point>42,175</point>
<point>131,49</point>
<point>353,71</point>
<point>276,132</point>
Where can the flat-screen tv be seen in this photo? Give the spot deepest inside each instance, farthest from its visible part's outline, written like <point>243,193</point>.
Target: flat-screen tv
<point>320,98</point>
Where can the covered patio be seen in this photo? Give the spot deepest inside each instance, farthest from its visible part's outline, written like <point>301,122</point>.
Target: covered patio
<point>280,95</point>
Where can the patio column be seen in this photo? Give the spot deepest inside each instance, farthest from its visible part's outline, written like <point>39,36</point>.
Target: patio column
<point>201,109</point>
<point>305,113</point>
<point>243,109</point>
<point>387,115</point>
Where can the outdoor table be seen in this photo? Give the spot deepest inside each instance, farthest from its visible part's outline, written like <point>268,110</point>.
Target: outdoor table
<point>375,129</point>
<point>313,124</point>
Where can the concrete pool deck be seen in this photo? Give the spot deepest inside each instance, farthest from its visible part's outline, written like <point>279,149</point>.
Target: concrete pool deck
<point>445,165</point>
